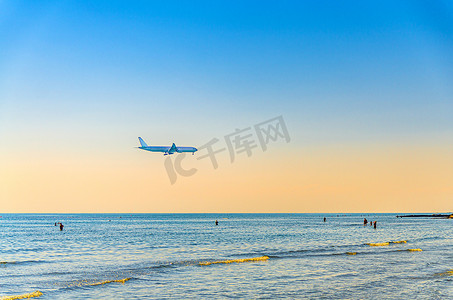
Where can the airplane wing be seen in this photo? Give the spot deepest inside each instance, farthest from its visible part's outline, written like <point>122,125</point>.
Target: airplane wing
<point>173,149</point>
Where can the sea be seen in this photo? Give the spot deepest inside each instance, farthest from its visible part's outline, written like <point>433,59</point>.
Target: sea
<point>245,256</point>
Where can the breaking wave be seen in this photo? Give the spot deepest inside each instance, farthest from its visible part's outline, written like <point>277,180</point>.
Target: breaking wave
<point>229,261</point>
<point>83,283</point>
<point>386,243</point>
<point>378,244</point>
<point>446,273</point>
<point>23,296</point>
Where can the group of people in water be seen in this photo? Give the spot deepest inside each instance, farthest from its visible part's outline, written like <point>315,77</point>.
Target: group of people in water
<point>61,225</point>
<point>365,222</point>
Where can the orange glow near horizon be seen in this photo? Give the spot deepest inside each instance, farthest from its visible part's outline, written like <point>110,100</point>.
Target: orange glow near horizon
<point>310,179</point>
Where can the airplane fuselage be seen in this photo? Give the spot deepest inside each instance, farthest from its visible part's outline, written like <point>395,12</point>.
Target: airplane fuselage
<point>168,149</point>
<point>165,149</point>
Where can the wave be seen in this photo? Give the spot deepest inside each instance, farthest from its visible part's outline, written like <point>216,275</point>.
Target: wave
<point>386,243</point>
<point>430,238</point>
<point>23,296</point>
<point>308,252</point>
<point>228,261</point>
<point>446,273</point>
<point>349,249</point>
<point>20,250</point>
<point>83,283</point>
<point>142,271</point>
<point>378,244</point>
<point>20,262</point>
<point>110,281</point>
<point>375,252</point>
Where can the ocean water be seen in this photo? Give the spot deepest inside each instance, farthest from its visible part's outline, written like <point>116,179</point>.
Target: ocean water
<point>184,256</point>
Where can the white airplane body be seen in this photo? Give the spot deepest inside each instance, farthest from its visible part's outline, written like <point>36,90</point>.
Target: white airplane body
<point>165,149</point>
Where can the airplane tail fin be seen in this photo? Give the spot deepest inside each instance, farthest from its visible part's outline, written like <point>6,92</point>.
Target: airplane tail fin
<point>142,142</point>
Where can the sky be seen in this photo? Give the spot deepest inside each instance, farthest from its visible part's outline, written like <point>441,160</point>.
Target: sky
<point>362,87</point>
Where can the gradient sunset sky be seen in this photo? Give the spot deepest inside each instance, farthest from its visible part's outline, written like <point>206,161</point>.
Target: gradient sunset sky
<point>365,89</point>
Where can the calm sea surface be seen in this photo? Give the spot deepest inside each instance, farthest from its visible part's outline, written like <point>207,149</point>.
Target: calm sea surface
<point>105,256</point>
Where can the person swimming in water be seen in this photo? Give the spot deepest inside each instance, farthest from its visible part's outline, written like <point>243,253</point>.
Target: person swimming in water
<point>61,226</point>
<point>324,219</point>
<point>374,224</point>
<point>216,222</point>
<point>365,221</point>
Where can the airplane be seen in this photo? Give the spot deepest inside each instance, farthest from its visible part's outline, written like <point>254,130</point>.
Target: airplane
<point>166,150</point>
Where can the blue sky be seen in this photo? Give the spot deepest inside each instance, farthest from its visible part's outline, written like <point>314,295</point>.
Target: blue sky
<point>365,89</point>
<point>353,71</point>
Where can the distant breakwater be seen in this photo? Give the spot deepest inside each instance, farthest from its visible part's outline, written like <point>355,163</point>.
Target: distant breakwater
<point>441,216</point>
